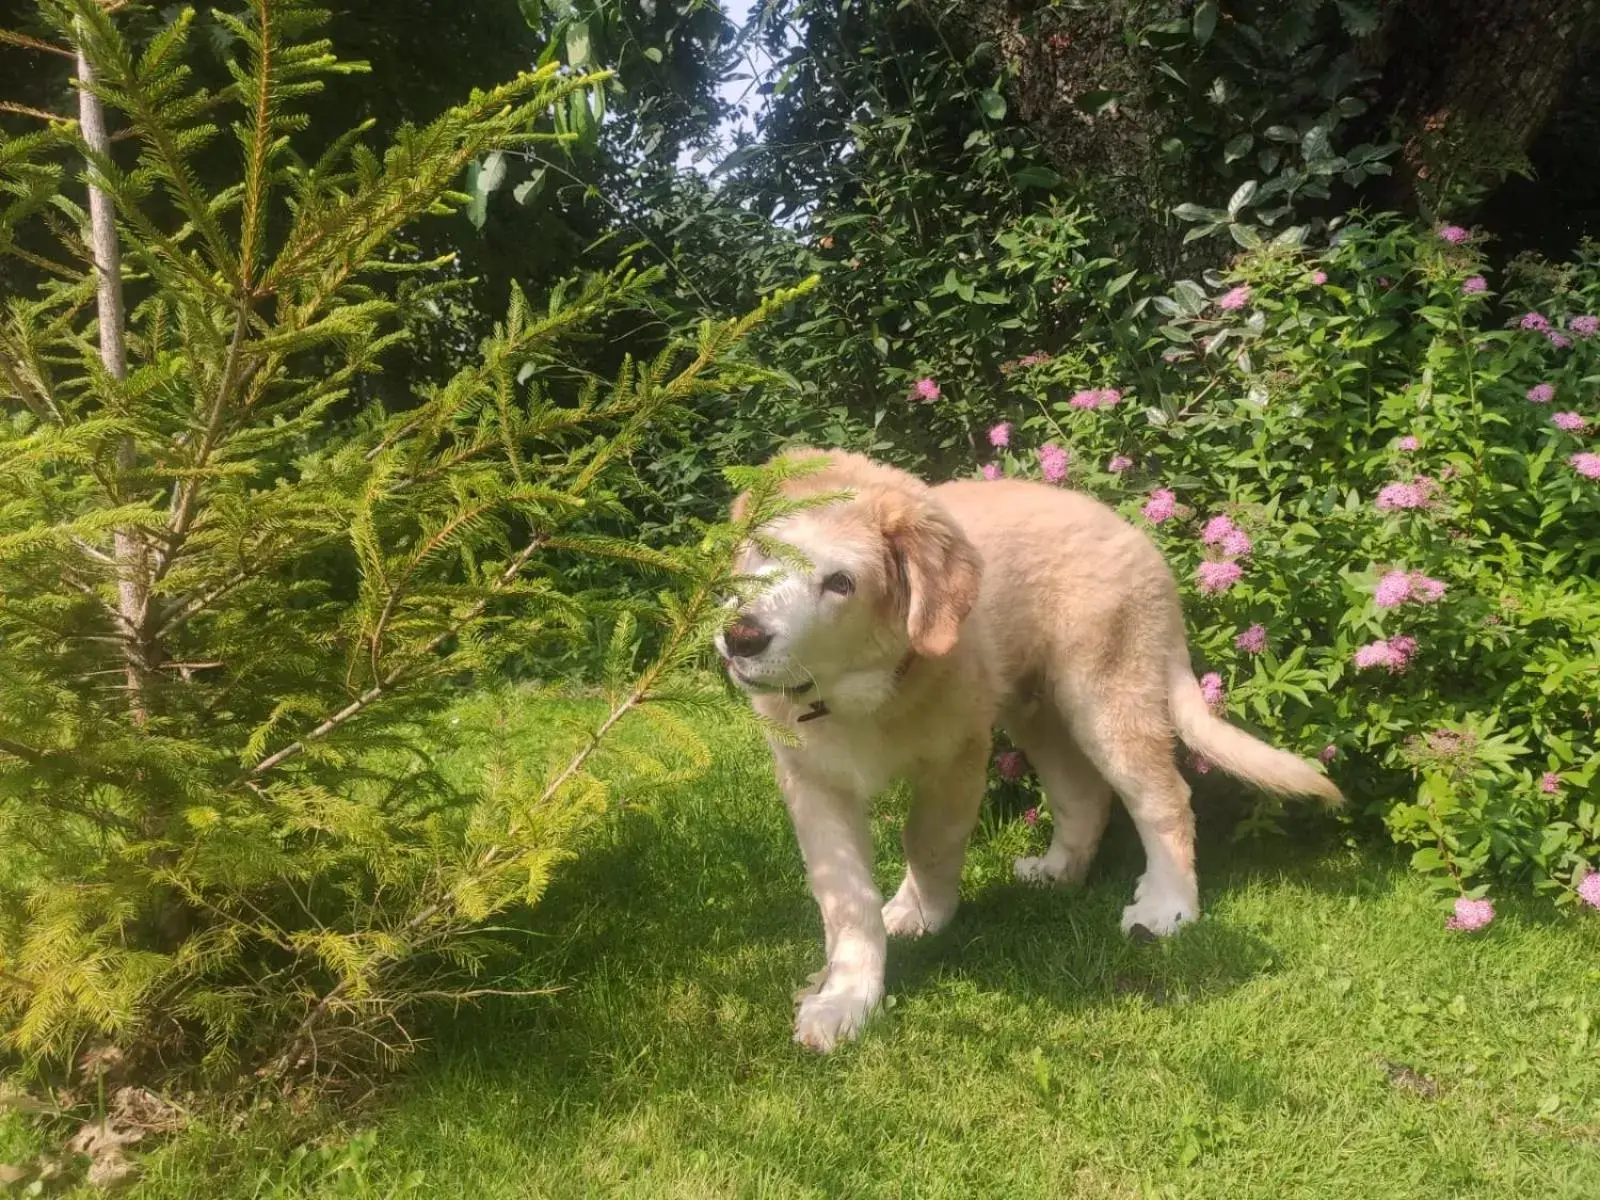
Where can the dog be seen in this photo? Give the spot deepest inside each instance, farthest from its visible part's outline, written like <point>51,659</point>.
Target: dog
<point>923,619</point>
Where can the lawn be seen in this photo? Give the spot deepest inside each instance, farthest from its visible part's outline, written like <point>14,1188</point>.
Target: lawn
<point>1317,1034</point>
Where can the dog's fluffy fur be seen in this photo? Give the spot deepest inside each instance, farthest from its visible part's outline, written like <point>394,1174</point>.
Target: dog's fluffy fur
<point>926,618</point>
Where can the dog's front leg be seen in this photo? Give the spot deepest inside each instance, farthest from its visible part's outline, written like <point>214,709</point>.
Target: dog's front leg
<point>831,825</point>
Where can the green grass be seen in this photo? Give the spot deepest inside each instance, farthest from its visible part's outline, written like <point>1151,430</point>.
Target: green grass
<point>1317,1034</point>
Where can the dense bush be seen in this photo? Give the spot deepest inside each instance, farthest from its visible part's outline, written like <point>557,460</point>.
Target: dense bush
<point>1380,477</point>
<point>235,592</point>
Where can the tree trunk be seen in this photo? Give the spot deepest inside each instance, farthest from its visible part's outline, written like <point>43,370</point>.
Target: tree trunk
<point>132,560</point>
<point>1471,83</point>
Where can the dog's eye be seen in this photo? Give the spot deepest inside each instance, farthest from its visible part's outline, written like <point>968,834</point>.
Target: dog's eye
<point>839,583</point>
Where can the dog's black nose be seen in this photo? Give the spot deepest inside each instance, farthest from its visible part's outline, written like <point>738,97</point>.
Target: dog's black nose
<point>746,639</point>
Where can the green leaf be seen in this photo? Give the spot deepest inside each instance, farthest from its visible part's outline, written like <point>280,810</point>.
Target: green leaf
<point>529,189</point>
<point>578,43</point>
<point>1245,193</point>
<point>1196,212</point>
<point>992,104</point>
<point>532,12</point>
<point>652,53</point>
<point>1238,147</point>
<point>1205,21</point>
<point>1039,177</point>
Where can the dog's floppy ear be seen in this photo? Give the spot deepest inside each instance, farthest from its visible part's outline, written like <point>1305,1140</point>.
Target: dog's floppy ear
<point>939,567</point>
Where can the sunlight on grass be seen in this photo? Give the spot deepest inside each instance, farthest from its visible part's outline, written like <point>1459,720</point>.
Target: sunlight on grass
<point>1318,1034</point>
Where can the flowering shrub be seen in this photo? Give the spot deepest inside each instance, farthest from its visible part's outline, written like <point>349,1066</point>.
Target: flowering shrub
<point>1391,548</point>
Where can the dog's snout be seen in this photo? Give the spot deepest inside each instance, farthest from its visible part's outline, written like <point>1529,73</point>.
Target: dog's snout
<point>746,639</point>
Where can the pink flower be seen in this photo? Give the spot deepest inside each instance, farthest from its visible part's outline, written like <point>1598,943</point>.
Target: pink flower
<point>1541,393</point>
<point>1534,321</point>
<point>1327,754</point>
<point>1416,494</point>
<point>1319,277</point>
<point>1218,576</point>
<point>1584,326</point>
<point>1587,465</point>
<point>1425,590</point>
<point>1052,463</point>
<point>1235,299</point>
<point>1031,817</point>
<point>1252,640</point>
<point>1160,507</point>
<point>1558,341</point>
<point>1216,529</point>
<point>1549,783</point>
<point>1000,435</point>
<point>1394,588</point>
<point>1118,464</point>
<point>1470,915</point>
<point>1088,398</point>
<point>1110,396</point>
<point>1236,544</point>
<point>1409,443</point>
<point>1570,421</point>
<point>1395,654</point>
<point>1011,764</point>
<point>1034,359</point>
<point>925,389</point>
<point>991,471</point>
<point>1454,234</point>
<point>1474,285</point>
<point>1589,889</point>
<point>1211,689</point>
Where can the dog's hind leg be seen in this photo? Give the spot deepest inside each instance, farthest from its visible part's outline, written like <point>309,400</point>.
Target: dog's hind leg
<point>944,808</point>
<point>1078,796</point>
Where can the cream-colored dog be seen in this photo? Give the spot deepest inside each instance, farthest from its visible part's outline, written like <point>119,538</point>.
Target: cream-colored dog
<point>928,616</point>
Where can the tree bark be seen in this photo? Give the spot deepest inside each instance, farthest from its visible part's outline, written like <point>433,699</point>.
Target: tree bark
<point>129,550</point>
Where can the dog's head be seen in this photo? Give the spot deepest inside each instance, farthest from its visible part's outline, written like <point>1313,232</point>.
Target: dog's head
<point>886,572</point>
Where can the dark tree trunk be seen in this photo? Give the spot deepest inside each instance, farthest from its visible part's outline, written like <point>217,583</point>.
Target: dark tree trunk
<point>1467,84</point>
<point>1471,83</point>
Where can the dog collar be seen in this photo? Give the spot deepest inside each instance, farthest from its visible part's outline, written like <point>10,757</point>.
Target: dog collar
<point>819,708</point>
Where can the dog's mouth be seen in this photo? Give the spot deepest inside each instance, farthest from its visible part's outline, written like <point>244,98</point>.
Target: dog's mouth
<point>762,686</point>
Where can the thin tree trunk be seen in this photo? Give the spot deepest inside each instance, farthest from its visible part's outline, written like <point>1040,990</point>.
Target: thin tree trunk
<point>128,546</point>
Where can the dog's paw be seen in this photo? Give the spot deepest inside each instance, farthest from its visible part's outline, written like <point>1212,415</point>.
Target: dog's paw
<point>908,916</point>
<point>1051,869</point>
<point>832,1016</point>
<point>1160,908</point>
<point>814,983</point>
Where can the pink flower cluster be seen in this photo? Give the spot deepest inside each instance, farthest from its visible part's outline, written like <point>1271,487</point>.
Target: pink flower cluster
<point>1095,398</point>
<point>1252,640</point>
<point>1409,443</point>
<point>1118,464</point>
<point>1589,889</point>
<point>1559,341</point>
<point>1212,691</point>
<point>1234,299</point>
<point>1587,465</point>
<point>1396,587</point>
<point>1470,915</point>
<point>925,388</point>
<point>1052,463</point>
<point>1541,393</point>
<point>1416,494</point>
<point>1327,754</point>
<point>1584,326</point>
<point>1319,277</point>
<point>1453,234</point>
<point>1034,359</point>
<point>1474,285</point>
<point>1000,435</point>
<point>1537,322</point>
<point>1571,422</point>
<point>1011,764</point>
<point>1215,575</point>
<point>1161,506</point>
<point>992,471</point>
<point>1550,783</point>
<point>1394,653</point>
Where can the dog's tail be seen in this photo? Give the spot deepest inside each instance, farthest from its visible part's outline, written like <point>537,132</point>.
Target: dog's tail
<point>1234,750</point>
